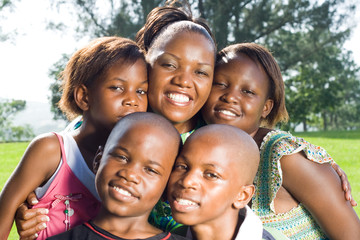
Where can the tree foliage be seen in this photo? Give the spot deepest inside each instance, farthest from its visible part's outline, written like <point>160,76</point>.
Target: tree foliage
<point>8,132</point>
<point>305,37</point>
<point>55,87</point>
<point>5,4</point>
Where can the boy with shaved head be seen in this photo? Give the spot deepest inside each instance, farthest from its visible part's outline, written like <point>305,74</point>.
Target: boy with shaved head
<point>212,183</point>
<point>134,168</point>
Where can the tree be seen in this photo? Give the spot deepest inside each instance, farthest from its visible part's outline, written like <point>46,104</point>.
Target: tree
<point>302,34</point>
<point>5,4</point>
<point>55,87</point>
<point>8,110</point>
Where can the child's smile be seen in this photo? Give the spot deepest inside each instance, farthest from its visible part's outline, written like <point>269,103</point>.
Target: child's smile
<point>239,95</point>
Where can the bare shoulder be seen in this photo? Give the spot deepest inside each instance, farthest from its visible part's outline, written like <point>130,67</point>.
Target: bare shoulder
<point>44,150</point>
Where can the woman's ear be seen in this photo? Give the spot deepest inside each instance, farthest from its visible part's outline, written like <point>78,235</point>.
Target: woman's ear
<point>244,196</point>
<point>268,106</point>
<point>97,159</point>
<point>81,96</point>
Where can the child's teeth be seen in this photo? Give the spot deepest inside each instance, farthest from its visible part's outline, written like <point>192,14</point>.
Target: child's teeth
<point>226,112</point>
<point>122,191</point>
<point>185,202</point>
<point>178,97</point>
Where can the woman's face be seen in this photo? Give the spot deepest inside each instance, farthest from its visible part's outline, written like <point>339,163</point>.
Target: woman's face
<point>180,77</point>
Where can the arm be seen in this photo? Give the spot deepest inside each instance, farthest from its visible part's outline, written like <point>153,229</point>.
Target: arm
<point>37,165</point>
<point>344,183</point>
<point>318,187</point>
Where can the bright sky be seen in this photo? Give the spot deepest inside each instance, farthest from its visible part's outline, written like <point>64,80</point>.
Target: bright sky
<point>24,64</point>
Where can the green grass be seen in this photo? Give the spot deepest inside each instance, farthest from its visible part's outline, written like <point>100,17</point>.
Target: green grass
<point>343,146</point>
<point>10,154</point>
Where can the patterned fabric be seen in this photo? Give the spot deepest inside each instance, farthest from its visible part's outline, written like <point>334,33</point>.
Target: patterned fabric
<point>298,222</point>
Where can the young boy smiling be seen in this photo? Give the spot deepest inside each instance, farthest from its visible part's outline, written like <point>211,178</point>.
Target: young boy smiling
<point>212,183</point>
<point>134,168</point>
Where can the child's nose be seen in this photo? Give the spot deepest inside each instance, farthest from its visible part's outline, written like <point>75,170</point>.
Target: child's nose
<point>130,175</point>
<point>230,96</point>
<point>131,100</point>
<point>190,180</point>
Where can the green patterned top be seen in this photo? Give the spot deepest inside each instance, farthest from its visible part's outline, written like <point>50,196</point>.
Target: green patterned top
<point>298,222</point>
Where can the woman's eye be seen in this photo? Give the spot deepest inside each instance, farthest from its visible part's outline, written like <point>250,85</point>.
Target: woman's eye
<point>168,65</point>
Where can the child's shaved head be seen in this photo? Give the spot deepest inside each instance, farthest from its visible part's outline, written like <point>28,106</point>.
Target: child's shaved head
<point>135,165</point>
<point>241,149</point>
<point>148,119</point>
<point>213,176</point>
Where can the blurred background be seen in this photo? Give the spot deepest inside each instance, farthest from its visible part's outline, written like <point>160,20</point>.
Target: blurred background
<point>315,42</point>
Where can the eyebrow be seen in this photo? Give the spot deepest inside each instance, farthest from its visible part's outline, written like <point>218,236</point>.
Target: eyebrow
<point>156,163</point>
<point>117,147</point>
<point>123,80</point>
<point>207,64</point>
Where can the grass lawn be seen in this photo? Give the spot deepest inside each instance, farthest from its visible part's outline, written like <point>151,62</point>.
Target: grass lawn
<point>343,146</point>
<point>10,154</point>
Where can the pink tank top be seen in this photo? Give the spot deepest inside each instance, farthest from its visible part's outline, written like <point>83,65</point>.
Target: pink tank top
<point>69,202</point>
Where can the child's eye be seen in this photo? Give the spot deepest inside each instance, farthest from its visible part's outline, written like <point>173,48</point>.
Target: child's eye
<point>248,92</point>
<point>141,92</point>
<point>119,157</point>
<point>122,158</point>
<point>117,88</point>
<point>200,72</point>
<point>212,175</point>
<point>151,171</point>
<point>220,84</point>
<point>180,167</point>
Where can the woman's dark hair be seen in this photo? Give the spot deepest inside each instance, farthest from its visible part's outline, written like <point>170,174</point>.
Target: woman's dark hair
<point>160,17</point>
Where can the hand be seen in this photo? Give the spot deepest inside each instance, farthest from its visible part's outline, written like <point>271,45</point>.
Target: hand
<point>344,183</point>
<point>30,221</point>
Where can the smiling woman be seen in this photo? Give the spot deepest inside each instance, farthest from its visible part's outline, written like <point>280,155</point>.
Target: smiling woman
<point>181,53</point>
<point>180,77</point>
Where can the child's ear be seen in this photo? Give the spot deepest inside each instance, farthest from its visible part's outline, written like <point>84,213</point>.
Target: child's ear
<point>269,103</point>
<point>244,196</point>
<point>97,159</point>
<point>81,94</point>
